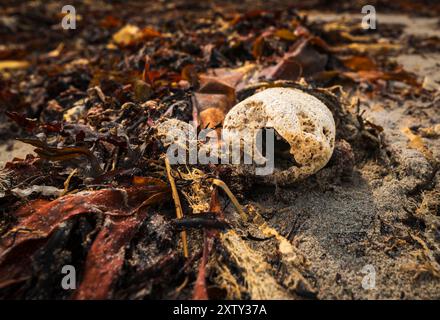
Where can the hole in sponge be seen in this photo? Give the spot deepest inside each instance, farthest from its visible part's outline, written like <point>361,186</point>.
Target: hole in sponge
<point>282,157</point>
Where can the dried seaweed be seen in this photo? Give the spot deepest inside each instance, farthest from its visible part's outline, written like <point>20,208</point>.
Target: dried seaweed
<point>99,193</point>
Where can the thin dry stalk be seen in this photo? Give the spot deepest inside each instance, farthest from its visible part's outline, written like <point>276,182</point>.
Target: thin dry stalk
<point>179,211</point>
<point>234,200</point>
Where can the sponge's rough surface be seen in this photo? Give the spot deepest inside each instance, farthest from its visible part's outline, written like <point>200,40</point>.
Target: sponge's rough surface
<point>300,119</point>
<point>175,131</point>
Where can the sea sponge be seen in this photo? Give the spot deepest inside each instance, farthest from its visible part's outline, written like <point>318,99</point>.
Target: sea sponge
<point>304,129</point>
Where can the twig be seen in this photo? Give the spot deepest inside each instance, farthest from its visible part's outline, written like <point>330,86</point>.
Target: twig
<point>179,212</point>
<point>67,182</point>
<point>182,286</point>
<point>234,200</point>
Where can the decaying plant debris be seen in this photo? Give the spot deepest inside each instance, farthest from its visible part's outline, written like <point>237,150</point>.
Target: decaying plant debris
<point>98,192</point>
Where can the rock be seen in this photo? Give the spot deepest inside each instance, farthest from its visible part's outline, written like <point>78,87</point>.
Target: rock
<point>299,119</point>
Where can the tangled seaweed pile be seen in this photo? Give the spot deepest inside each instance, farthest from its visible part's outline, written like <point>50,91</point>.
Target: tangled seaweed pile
<point>99,193</point>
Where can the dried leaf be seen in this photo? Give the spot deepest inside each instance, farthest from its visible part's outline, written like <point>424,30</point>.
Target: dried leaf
<point>358,63</point>
<point>257,47</point>
<point>22,121</point>
<point>189,74</point>
<point>372,75</point>
<point>38,219</point>
<point>130,35</point>
<point>303,60</point>
<point>43,190</point>
<point>13,64</point>
<point>285,34</point>
<point>367,48</point>
<point>106,257</point>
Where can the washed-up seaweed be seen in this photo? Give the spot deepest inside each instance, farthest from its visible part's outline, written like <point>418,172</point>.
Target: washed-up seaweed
<point>99,192</point>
